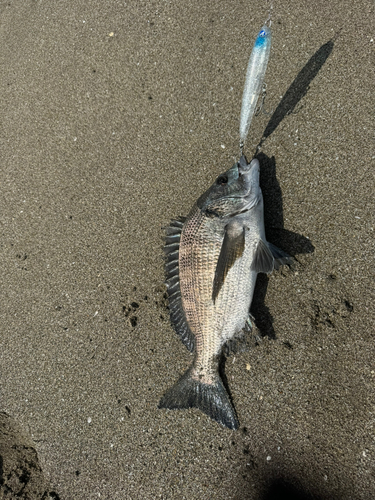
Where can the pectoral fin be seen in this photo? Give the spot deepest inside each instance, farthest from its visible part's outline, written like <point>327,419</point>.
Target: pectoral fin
<point>281,257</point>
<point>263,259</point>
<point>232,248</point>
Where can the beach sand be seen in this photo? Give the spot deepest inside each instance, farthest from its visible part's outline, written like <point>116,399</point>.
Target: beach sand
<point>115,117</point>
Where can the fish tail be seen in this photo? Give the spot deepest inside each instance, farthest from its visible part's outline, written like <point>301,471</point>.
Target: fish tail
<point>212,399</point>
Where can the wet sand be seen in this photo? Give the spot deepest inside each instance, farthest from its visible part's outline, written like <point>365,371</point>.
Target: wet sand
<point>115,116</point>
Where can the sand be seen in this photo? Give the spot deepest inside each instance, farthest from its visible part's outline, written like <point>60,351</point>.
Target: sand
<point>115,117</point>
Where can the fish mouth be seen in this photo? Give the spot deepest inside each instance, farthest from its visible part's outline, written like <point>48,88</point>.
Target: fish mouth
<point>248,175</point>
<point>249,172</point>
<point>248,168</point>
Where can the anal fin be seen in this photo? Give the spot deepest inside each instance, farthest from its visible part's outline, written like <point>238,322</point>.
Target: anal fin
<point>241,341</point>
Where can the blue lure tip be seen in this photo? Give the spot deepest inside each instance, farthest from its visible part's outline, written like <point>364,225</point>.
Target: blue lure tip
<point>260,40</point>
<point>262,37</point>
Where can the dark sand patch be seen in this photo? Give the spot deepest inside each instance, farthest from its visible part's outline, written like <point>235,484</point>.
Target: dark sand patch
<point>20,473</point>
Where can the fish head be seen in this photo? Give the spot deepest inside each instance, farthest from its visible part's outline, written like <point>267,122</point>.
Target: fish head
<point>235,191</point>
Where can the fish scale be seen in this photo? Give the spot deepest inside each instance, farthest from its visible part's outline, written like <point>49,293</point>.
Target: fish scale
<point>211,323</point>
<point>198,253</point>
<point>221,247</point>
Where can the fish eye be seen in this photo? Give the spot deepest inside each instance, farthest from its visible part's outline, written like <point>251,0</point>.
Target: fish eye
<point>222,180</point>
<point>262,33</point>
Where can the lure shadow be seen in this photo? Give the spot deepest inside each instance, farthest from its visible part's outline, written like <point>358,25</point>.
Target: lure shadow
<point>298,88</point>
<point>288,241</point>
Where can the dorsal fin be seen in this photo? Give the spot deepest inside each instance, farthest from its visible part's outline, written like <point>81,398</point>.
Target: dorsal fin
<point>176,311</point>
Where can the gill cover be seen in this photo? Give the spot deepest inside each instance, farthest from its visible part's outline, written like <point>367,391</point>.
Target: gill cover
<point>234,191</point>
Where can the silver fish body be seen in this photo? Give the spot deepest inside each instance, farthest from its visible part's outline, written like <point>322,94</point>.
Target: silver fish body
<point>213,258</point>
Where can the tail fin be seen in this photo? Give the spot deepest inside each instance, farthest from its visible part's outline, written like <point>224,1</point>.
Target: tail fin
<point>212,399</point>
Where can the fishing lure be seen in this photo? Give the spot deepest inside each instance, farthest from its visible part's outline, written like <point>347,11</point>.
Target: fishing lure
<point>256,70</point>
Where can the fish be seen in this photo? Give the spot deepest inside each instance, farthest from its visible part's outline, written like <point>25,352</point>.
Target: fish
<point>256,70</point>
<point>213,257</point>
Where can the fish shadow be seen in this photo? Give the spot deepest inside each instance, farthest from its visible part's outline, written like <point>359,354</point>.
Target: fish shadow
<point>290,242</point>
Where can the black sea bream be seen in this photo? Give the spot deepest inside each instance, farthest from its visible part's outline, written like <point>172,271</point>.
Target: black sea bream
<point>213,258</point>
